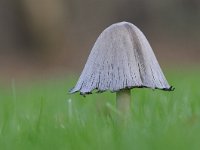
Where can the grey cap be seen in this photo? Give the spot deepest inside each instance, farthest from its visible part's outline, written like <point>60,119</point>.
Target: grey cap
<point>121,58</point>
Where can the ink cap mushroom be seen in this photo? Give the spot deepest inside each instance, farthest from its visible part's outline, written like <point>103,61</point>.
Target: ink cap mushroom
<point>120,60</point>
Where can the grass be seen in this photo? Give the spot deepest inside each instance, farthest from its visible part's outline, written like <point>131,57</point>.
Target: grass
<point>42,116</point>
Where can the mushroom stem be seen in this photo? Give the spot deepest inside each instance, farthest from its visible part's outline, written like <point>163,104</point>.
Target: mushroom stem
<point>123,101</point>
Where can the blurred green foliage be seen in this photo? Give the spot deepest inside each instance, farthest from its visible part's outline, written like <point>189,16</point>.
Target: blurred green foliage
<point>41,116</point>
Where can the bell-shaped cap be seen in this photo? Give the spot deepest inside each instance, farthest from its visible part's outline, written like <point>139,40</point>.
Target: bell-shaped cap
<point>121,58</point>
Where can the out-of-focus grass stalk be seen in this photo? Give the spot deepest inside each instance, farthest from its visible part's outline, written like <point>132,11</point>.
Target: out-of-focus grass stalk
<point>13,86</point>
<point>113,109</point>
<point>70,113</point>
<point>40,113</point>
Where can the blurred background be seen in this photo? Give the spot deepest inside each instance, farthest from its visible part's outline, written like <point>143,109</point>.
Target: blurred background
<point>54,37</point>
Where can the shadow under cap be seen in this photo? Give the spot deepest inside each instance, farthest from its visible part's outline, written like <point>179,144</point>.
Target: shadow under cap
<point>121,58</point>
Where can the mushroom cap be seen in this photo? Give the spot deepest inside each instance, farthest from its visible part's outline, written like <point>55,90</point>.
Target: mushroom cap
<point>121,58</point>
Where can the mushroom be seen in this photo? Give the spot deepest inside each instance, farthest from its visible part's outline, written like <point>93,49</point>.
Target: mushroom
<point>121,59</point>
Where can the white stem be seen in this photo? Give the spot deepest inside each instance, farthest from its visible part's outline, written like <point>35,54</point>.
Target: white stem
<point>123,101</point>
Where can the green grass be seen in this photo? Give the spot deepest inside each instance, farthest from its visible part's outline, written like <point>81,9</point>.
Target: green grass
<point>40,116</point>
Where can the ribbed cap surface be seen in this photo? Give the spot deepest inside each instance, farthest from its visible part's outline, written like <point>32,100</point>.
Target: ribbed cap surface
<point>121,58</point>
